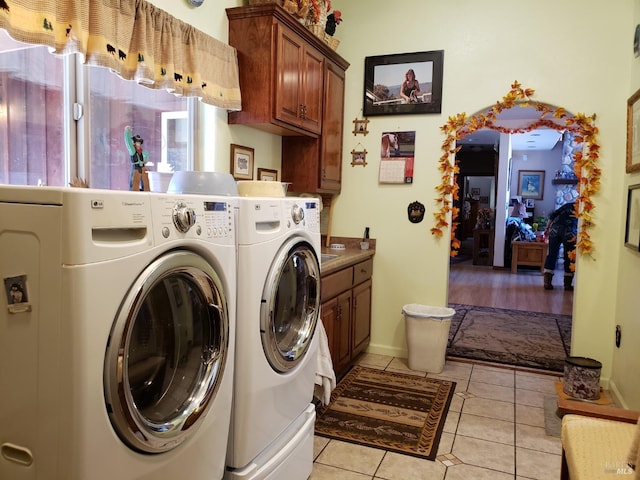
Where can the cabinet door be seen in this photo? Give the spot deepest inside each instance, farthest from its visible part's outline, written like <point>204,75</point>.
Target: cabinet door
<point>311,87</point>
<point>342,342</point>
<point>299,75</point>
<point>329,317</point>
<point>289,66</point>
<point>361,318</point>
<point>332,128</point>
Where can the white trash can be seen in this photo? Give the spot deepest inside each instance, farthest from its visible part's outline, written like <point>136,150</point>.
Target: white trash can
<point>427,330</point>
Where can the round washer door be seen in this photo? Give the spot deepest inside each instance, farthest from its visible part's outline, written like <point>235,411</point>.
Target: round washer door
<point>166,353</point>
<point>290,307</point>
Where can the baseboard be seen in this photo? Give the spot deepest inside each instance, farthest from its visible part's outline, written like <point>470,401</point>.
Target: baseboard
<point>386,350</point>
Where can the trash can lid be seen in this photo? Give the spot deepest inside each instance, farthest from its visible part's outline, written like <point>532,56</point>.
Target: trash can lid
<point>583,362</point>
<point>426,311</point>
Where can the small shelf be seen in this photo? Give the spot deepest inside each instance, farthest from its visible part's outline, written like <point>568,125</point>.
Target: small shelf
<point>564,181</point>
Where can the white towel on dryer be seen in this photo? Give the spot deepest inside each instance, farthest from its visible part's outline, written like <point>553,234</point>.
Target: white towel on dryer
<point>325,375</point>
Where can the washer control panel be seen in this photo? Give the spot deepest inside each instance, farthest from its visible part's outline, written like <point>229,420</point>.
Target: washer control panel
<point>194,216</point>
<point>218,218</point>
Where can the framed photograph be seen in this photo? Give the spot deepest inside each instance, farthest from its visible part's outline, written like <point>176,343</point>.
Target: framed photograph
<point>241,162</point>
<point>632,230</point>
<point>530,203</point>
<point>404,83</point>
<point>359,157</point>
<point>360,126</point>
<point>267,175</point>
<point>633,133</point>
<point>531,184</point>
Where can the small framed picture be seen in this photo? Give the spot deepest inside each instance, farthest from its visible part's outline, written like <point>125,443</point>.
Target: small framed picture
<point>360,126</point>
<point>633,133</point>
<point>267,175</point>
<point>359,157</point>
<point>531,184</point>
<point>530,203</point>
<point>241,162</point>
<point>632,230</point>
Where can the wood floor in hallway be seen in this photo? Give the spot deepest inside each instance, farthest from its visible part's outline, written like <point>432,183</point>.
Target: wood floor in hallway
<point>488,287</point>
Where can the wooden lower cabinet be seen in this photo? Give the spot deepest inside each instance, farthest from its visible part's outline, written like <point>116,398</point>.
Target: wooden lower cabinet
<point>346,313</point>
<point>361,322</point>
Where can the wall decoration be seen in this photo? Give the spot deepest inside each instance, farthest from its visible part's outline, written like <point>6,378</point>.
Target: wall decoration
<point>632,229</point>
<point>586,163</point>
<point>636,42</point>
<point>397,157</point>
<point>360,126</point>
<point>415,212</point>
<point>241,162</point>
<point>405,83</point>
<point>633,133</point>
<point>267,175</point>
<point>359,157</point>
<point>531,184</point>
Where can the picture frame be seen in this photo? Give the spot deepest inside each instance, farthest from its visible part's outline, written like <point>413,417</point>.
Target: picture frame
<point>385,74</point>
<point>633,133</point>
<point>531,184</point>
<point>632,227</point>
<point>267,175</point>
<point>359,157</point>
<point>241,162</point>
<point>360,126</point>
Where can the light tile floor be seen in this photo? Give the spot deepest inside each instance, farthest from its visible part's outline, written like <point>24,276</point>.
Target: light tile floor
<point>494,431</point>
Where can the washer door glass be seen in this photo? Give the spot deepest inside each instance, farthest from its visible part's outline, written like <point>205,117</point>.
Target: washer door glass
<point>290,307</point>
<point>166,353</point>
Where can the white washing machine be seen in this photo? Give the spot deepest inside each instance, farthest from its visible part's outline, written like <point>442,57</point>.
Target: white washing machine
<point>273,416</point>
<point>117,352</point>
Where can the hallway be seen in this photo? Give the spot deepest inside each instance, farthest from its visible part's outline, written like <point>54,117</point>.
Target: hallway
<point>483,286</point>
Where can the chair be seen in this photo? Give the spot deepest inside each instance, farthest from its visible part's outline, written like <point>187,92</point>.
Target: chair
<point>596,440</point>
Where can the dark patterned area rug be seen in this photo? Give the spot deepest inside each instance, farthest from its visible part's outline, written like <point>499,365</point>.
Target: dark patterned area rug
<point>392,411</point>
<point>512,337</point>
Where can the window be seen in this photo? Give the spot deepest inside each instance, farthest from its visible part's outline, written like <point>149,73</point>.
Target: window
<point>41,144</point>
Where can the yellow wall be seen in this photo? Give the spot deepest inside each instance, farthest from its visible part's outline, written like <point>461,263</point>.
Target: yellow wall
<point>626,360</point>
<point>575,53</point>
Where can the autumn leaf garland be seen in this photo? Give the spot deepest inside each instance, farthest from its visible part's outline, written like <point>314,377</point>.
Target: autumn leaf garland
<point>585,165</point>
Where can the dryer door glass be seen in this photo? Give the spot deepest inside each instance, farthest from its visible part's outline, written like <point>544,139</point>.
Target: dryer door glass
<point>167,353</point>
<point>289,315</point>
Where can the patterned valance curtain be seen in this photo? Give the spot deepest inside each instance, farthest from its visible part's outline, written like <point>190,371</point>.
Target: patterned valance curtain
<point>133,38</point>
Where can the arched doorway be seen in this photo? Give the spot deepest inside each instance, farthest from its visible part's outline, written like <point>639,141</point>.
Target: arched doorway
<point>549,117</point>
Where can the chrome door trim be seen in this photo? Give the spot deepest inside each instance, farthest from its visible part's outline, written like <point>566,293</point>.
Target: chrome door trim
<point>137,430</point>
<point>282,359</point>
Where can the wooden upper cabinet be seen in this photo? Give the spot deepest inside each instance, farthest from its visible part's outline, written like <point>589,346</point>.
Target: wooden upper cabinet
<point>332,129</point>
<point>299,82</point>
<point>282,71</point>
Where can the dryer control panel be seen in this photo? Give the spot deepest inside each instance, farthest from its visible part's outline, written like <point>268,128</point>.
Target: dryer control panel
<point>302,212</point>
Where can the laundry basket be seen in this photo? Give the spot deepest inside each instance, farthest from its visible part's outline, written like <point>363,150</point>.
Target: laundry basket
<point>427,330</point>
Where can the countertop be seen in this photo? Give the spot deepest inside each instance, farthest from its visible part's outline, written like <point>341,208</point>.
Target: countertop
<point>350,255</point>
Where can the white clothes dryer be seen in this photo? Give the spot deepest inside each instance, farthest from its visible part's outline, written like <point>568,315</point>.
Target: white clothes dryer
<point>117,360</point>
<point>273,415</point>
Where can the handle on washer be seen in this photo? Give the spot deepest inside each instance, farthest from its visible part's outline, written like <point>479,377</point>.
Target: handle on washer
<point>212,355</point>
